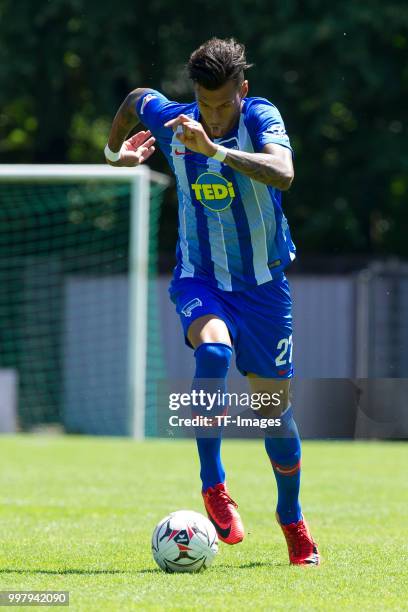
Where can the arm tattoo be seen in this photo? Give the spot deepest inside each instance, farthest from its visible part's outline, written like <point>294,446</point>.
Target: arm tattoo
<point>262,167</point>
<point>125,120</point>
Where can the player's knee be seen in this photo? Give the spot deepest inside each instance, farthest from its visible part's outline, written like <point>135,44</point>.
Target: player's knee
<point>270,405</point>
<point>212,360</point>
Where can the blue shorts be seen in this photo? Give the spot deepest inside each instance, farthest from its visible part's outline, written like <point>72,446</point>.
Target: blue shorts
<point>259,321</point>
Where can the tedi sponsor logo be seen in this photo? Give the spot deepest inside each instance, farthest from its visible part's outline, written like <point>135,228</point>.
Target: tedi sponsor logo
<point>213,191</point>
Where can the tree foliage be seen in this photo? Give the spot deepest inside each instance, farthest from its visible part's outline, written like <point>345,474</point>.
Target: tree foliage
<point>338,72</point>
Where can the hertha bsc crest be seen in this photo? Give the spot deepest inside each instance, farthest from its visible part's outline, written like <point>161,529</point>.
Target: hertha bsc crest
<point>189,307</point>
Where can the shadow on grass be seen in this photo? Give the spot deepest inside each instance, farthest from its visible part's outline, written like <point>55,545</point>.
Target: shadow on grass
<point>96,572</point>
<point>85,572</point>
<point>252,565</point>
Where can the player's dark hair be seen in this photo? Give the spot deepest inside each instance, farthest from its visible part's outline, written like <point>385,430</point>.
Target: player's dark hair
<point>216,62</point>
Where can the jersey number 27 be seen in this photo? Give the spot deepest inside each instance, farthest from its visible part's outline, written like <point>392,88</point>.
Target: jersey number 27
<point>285,346</point>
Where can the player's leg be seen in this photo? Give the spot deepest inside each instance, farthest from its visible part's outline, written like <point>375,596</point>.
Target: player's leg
<point>282,445</point>
<point>210,337</point>
<point>208,329</point>
<point>284,450</point>
<point>264,350</point>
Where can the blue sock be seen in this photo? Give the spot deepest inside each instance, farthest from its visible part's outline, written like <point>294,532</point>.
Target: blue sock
<point>212,364</point>
<point>284,451</point>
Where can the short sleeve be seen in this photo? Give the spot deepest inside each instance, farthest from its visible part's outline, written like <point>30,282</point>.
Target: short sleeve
<point>266,125</point>
<point>154,109</point>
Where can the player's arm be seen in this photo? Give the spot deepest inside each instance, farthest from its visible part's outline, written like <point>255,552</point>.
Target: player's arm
<point>138,148</point>
<point>272,167</point>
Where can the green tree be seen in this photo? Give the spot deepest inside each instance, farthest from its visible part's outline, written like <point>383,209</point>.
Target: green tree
<point>338,73</point>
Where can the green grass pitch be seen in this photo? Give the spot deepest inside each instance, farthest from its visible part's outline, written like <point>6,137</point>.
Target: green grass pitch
<point>77,514</point>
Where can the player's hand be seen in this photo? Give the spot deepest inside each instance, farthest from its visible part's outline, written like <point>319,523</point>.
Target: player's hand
<point>192,135</point>
<point>136,150</point>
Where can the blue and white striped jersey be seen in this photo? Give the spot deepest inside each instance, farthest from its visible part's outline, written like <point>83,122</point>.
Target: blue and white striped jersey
<point>232,231</point>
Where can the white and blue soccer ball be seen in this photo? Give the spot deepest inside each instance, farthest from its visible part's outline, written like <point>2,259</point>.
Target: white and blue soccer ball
<point>184,541</point>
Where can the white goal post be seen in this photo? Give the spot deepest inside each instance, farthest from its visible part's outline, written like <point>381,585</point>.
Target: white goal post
<point>139,179</point>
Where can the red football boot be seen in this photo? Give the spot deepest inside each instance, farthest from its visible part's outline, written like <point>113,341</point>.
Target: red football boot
<point>221,511</point>
<point>301,546</point>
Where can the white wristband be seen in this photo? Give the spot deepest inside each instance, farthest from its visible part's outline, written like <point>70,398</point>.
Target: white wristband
<point>111,155</point>
<point>221,153</point>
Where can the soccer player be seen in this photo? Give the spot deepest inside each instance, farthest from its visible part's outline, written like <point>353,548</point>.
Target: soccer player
<point>232,159</point>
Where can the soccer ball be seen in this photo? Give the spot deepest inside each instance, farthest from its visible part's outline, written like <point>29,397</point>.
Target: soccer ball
<point>184,541</point>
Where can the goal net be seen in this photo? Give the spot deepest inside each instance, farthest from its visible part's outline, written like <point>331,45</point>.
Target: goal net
<point>78,307</point>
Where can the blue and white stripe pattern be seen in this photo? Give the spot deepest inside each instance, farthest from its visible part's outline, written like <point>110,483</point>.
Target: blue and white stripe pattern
<point>232,231</point>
